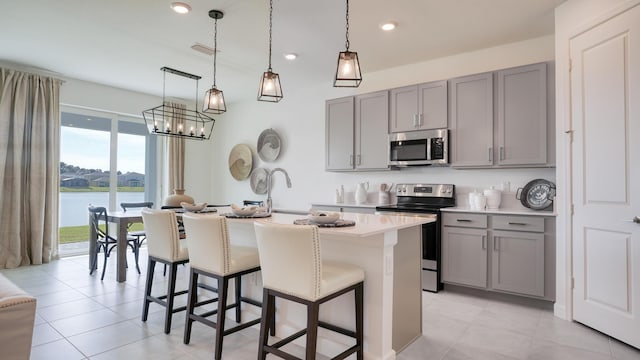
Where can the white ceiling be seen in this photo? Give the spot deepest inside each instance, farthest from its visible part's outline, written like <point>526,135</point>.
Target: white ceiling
<point>124,43</point>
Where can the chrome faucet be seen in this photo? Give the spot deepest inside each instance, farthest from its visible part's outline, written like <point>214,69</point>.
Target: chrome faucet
<point>269,202</point>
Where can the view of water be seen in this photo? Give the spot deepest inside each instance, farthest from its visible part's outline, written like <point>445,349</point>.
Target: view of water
<point>73,205</point>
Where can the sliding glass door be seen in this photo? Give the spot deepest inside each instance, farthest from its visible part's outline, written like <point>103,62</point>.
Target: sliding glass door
<point>105,159</point>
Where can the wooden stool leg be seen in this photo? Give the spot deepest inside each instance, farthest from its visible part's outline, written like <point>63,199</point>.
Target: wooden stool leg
<point>359,296</point>
<point>223,285</point>
<point>272,309</point>
<point>173,269</point>
<point>238,302</point>
<point>191,304</point>
<point>312,330</point>
<point>147,289</point>
<point>265,323</point>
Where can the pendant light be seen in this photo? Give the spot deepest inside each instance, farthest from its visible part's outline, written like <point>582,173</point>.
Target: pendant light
<point>214,98</point>
<point>270,89</point>
<point>348,71</point>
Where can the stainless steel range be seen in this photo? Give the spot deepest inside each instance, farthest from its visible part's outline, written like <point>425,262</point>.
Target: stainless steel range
<point>425,200</point>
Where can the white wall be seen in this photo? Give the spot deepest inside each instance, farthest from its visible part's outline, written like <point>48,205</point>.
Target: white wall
<point>572,17</point>
<point>300,120</point>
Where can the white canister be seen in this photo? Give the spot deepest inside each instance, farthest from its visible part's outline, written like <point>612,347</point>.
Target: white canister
<point>477,201</point>
<point>384,198</point>
<point>493,198</point>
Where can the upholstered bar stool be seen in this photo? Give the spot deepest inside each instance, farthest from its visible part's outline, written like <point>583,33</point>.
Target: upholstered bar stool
<point>164,246</point>
<point>211,254</point>
<point>292,268</point>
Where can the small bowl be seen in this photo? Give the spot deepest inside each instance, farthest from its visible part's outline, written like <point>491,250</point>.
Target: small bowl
<point>193,207</point>
<point>324,217</point>
<point>243,211</point>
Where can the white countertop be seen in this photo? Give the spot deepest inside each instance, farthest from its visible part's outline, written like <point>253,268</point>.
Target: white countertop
<point>346,204</point>
<point>501,211</point>
<point>366,224</point>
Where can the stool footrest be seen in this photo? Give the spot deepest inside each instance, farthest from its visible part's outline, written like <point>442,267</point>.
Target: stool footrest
<point>288,339</point>
<point>337,329</point>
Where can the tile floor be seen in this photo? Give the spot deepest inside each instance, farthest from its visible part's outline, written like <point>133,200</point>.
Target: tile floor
<point>80,317</point>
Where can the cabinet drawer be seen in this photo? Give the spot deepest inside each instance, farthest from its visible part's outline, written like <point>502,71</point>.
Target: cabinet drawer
<point>519,223</point>
<point>464,220</point>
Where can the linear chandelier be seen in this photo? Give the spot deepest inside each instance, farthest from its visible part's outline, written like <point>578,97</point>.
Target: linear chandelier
<point>173,120</point>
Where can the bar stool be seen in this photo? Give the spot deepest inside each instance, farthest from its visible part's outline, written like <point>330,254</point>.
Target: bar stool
<point>211,254</point>
<point>164,246</point>
<point>292,268</point>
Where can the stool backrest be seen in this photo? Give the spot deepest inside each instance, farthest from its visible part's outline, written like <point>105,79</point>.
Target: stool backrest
<point>208,241</point>
<point>163,239</point>
<point>290,258</point>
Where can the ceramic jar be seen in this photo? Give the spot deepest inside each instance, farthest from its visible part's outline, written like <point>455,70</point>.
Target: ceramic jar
<point>477,201</point>
<point>177,197</point>
<point>361,192</point>
<point>493,198</point>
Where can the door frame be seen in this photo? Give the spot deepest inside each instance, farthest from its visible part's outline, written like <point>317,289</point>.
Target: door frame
<point>563,307</point>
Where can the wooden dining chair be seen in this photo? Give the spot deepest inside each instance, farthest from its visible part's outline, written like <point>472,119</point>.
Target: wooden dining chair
<point>106,242</point>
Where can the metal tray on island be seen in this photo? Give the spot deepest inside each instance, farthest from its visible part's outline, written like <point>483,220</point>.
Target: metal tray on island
<point>255,215</point>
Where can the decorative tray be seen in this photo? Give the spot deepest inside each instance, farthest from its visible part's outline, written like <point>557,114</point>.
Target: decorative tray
<point>338,223</point>
<point>256,215</point>
<point>205,210</point>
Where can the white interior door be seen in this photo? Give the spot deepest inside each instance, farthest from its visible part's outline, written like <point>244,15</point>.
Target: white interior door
<point>605,103</point>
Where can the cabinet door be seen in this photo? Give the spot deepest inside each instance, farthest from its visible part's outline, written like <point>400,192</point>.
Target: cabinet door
<point>372,128</point>
<point>522,115</point>
<point>464,256</point>
<point>518,262</point>
<point>339,134</point>
<point>471,109</point>
<point>432,105</point>
<point>404,109</point>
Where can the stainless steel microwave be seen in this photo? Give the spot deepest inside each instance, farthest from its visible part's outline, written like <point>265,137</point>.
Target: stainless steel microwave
<point>427,147</point>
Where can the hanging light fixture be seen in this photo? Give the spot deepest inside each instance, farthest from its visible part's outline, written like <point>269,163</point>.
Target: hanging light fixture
<point>348,71</point>
<point>270,89</point>
<point>214,98</point>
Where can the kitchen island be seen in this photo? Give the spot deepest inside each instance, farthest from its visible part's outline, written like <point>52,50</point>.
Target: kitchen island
<point>388,248</point>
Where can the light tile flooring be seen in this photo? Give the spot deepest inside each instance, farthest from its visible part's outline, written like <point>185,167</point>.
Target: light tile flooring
<point>80,317</point>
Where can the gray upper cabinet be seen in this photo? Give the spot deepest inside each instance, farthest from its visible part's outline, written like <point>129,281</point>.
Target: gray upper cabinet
<point>522,115</point>
<point>419,107</point>
<point>471,109</point>
<point>356,132</point>
<point>339,134</point>
<point>519,133</point>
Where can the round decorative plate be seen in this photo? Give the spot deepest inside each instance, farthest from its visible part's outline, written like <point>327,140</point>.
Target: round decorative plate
<point>538,194</point>
<point>268,145</point>
<point>259,180</point>
<point>240,162</point>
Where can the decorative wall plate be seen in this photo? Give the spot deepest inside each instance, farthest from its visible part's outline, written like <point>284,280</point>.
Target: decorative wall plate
<point>240,162</point>
<point>268,145</point>
<point>538,194</point>
<point>259,180</point>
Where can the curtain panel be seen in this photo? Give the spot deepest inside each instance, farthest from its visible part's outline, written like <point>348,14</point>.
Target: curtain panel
<point>175,151</point>
<point>29,163</point>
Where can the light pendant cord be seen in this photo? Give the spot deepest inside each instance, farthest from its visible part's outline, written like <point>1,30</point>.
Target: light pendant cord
<point>270,27</point>
<point>347,33</point>
<point>215,49</point>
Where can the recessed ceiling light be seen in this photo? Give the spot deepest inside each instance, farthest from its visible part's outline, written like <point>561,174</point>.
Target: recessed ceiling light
<point>388,26</point>
<point>180,7</point>
<point>290,56</point>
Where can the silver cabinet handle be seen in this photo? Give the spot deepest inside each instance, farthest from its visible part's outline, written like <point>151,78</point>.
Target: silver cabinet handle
<point>496,246</point>
<point>358,158</point>
<point>501,152</point>
<point>636,219</point>
<point>421,120</point>
<point>463,220</point>
<point>484,241</point>
<point>350,159</point>
<point>517,223</point>
<point>490,154</point>
<point>415,120</point>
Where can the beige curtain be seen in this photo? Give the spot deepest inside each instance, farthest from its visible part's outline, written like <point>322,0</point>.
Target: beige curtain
<point>175,153</point>
<point>29,163</point>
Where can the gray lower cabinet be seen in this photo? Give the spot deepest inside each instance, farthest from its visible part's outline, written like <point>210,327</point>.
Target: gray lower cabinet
<point>507,253</point>
<point>509,124</point>
<point>356,132</point>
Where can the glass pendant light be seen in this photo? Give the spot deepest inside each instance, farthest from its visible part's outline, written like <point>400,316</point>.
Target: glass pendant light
<point>348,71</point>
<point>214,98</point>
<point>270,89</point>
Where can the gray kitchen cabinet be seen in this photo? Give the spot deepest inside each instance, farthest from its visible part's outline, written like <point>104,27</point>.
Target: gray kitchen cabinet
<point>506,253</point>
<point>356,132</point>
<point>419,107</point>
<point>519,132</point>
<point>464,256</point>
<point>471,109</point>
<point>339,131</point>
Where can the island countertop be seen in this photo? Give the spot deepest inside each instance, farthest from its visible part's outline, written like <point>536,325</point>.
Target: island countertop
<point>366,224</point>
